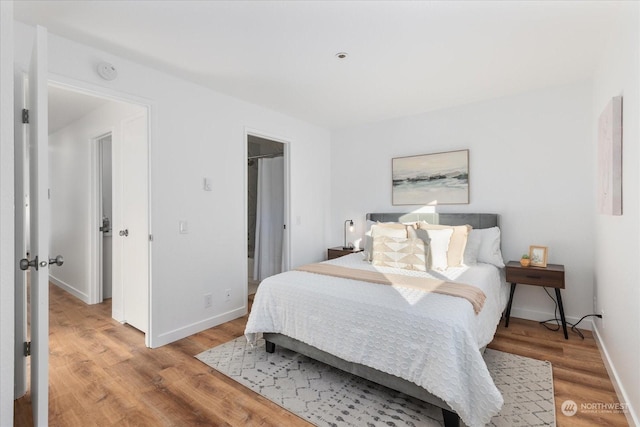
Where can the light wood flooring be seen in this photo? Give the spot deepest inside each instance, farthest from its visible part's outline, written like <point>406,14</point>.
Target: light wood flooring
<point>101,374</point>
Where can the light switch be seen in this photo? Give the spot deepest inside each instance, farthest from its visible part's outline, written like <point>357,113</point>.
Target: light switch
<point>183,227</point>
<point>207,184</point>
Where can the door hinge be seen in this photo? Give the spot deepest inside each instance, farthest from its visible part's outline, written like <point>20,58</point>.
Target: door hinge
<point>151,237</point>
<point>27,348</point>
<point>25,115</point>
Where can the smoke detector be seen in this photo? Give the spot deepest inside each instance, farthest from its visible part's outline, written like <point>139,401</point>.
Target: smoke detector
<point>107,71</point>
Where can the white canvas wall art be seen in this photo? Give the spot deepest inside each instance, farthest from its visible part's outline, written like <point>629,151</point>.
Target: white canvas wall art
<point>610,158</point>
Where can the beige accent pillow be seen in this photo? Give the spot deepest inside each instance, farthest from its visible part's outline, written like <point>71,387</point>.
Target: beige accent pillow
<point>409,254</point>
<point>457,244</point>
<point>388,229</point>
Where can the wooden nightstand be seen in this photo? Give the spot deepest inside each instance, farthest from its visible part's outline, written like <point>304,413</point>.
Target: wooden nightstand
<point>551,276</point>
<point>337,252</point>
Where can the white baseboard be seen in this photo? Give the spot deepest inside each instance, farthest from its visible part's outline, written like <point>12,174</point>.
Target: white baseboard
<point>73,291</point>
<point>539,316</point>
<point>632,415</point>
<point>194,328</point>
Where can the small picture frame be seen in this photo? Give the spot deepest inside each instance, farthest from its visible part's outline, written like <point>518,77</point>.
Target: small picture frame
<point>538,256</point>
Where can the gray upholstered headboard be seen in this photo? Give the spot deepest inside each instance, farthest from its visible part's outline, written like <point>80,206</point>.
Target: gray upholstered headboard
<point>476,220</point>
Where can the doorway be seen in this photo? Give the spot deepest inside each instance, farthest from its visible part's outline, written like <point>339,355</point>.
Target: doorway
<point>106,213</point>
<point>267,201</point>
<point>98,151</point>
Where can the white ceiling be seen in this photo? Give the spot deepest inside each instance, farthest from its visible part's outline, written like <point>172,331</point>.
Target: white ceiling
<point>404,57</point>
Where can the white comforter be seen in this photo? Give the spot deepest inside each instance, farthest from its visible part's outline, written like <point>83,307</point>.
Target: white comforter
<point>432,340</point>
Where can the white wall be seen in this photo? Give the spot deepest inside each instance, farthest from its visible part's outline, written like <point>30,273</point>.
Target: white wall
<point>197,133</point>
<point>7,257</point>
<point>617,238</point>
<point>530,162</point>
<point>70,180</point>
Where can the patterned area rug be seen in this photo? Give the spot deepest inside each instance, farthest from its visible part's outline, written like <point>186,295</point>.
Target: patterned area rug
<point>326,396</point>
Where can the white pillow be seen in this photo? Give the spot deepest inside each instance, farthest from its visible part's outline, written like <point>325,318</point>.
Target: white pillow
<point>472,249</point>
<point>438,246</point>
<point>457,243</point>
<point>487,242</point>
<point>368,241</point>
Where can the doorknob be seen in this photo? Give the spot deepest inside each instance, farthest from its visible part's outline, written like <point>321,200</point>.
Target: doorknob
<point>124,232</point>
<point>25,263</point>
<point>59,260</point>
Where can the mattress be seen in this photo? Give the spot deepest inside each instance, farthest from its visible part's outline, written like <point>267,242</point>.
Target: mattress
<point>432,340</point>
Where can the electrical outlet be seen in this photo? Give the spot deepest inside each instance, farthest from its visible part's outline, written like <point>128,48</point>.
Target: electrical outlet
<point>208,300</point>
<point>227,294</point>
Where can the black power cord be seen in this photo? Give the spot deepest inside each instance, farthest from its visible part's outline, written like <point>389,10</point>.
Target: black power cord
<point>559,321</point>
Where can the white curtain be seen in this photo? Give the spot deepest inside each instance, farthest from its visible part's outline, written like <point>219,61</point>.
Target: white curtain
<point>269,218</point>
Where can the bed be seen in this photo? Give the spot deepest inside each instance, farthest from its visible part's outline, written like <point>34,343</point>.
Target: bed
<point>428,346</point>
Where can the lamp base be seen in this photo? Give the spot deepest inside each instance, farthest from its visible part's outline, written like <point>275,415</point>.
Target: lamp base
<point>346,248</point>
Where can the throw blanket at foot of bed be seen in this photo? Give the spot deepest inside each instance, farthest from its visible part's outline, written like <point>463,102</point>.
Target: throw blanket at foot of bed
<point>472,294</point>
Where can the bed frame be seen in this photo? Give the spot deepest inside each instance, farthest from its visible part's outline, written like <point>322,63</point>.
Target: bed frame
<point>451,419</point>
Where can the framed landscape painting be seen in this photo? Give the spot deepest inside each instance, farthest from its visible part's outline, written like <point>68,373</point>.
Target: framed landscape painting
<point>431,179</point>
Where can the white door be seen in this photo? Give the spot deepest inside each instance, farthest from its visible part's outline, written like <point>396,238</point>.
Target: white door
<point>134,231</point>
<point>38,264</point>
<point>21,191</point>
